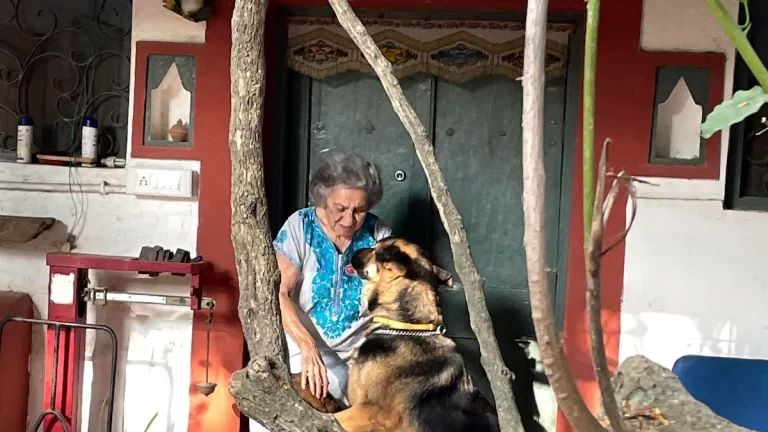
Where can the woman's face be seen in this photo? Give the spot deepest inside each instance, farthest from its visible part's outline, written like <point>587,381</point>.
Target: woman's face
<point>345,210</point>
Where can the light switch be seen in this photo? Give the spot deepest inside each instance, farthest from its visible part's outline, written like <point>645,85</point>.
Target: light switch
<point>166,182</point>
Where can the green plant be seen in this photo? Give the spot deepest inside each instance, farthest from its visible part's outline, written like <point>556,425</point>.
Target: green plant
<point>744,102</point>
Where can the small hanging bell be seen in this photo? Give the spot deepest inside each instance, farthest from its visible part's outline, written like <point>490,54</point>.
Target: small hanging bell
<point>207,387</point>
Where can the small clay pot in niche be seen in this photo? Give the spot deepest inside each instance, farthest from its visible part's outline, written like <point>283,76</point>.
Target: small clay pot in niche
<point>178,132</point>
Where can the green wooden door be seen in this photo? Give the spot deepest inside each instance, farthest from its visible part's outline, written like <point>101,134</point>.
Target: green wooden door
<point>477,138</point>
<point>476,132</point>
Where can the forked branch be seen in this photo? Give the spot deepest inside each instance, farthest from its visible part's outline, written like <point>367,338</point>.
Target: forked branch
<point>594,252</point>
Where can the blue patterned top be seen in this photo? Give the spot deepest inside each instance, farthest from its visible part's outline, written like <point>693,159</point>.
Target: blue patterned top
<point>330,293</point>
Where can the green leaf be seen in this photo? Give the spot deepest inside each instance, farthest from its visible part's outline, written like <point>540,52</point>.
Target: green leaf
<point>743,104</point>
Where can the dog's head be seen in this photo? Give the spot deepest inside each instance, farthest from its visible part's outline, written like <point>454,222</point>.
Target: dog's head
<point>400,279</point>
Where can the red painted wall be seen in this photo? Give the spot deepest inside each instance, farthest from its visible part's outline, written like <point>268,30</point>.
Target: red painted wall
<point>217,412</point>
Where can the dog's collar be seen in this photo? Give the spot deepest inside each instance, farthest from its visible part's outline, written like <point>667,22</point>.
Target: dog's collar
<point>422,333</point>
<point>400,328</point>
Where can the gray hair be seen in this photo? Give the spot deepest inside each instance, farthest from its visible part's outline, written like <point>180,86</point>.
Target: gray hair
<point>348,170</point>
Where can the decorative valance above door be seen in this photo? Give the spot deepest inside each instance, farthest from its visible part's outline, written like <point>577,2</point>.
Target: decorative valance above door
<point>456,51</point>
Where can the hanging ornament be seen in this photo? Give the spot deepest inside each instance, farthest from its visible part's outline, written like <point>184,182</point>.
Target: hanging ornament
<point>207,387</point>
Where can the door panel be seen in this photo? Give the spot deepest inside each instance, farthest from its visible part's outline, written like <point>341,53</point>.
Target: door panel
<point>510,310</point>
<point>480,152</point>
<point>352,112</point>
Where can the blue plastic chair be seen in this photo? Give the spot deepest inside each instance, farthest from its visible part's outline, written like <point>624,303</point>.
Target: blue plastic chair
<point>733,388</point>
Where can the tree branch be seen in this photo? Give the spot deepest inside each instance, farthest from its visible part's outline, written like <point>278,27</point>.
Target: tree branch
<point>588,128</point>
<point>613,192</point>
<point>594,253</point>
<point>593,202</point>
<point>628,182</point>
<point>480,320</point>
<point>568,398</point>
<point>263,390</point>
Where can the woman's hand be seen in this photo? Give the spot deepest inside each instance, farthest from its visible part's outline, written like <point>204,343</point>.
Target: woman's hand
<point>313,371</point>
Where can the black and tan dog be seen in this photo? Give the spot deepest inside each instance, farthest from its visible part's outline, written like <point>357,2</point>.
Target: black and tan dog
<point>407,376</point>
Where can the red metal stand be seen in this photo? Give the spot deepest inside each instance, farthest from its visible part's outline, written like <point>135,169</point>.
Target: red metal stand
<point>68,279</point>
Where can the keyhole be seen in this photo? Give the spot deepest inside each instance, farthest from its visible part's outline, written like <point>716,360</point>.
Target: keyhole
<point>400,175</point>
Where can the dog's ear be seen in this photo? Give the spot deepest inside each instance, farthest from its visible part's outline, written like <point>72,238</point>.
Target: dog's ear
<point>443,276</point>
<point>393,259</point>
<point>434,273</point>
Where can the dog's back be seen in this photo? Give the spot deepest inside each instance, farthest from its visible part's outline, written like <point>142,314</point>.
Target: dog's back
<point>455,413</point>
<point>448,410</point>
<point>429,374</point>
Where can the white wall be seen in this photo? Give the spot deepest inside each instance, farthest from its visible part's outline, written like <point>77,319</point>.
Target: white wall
<point>154,341</point>
<point>693,282</point>
<point>693,271</point>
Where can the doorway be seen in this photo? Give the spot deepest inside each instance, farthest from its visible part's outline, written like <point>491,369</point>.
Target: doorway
<point>475,129</point>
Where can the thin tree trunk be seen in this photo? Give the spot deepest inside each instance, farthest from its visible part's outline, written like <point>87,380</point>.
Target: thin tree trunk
<point>490,356</point>
<point>262,390</point>
<point>594,252</point>
<point>555,366</point>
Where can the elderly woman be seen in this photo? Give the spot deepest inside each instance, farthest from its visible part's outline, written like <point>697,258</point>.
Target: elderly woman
<point>320,295</point>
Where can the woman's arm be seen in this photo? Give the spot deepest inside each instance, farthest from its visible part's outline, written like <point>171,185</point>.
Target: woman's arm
<point>290,277</point>
<point>313,370</point>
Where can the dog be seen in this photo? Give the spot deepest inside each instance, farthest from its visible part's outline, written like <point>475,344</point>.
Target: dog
<point>407,376</point>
